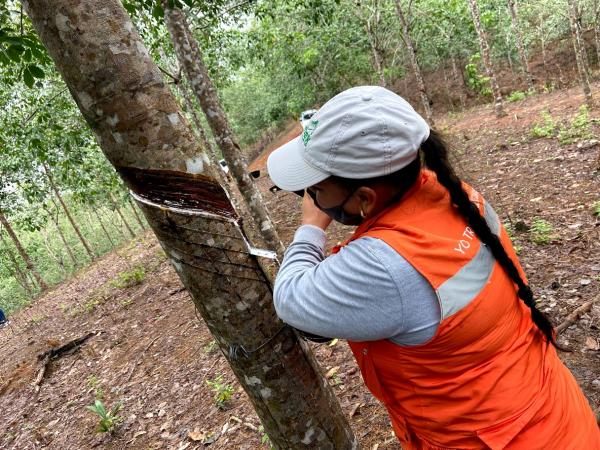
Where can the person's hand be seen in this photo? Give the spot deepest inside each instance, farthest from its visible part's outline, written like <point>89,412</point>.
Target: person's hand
<point>311,215</point>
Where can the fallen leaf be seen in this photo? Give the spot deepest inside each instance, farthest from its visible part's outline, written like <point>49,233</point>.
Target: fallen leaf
<point>196,435</point>
<point>585,281</point>
<point>591,343</point>
<point>355,408</point>
<point>335,341</point>
<point>331,372</point>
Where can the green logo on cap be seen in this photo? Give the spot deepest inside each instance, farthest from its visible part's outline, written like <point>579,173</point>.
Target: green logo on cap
<point>308,131</point>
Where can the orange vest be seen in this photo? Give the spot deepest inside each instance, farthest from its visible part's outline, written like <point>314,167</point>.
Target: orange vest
<point>487,379</point>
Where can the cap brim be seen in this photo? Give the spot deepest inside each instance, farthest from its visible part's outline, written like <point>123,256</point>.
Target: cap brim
<point>288,169</point>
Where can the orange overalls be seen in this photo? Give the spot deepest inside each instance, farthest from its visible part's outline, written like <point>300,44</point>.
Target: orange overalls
<point>487,379</point>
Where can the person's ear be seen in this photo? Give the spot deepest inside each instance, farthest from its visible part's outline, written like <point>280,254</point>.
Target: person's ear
<point>366,199</point>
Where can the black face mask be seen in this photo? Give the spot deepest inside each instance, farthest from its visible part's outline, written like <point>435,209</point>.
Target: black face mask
<point>338,213</point>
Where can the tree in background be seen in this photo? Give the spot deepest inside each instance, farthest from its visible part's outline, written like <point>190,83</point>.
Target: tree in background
<point>519,41</point>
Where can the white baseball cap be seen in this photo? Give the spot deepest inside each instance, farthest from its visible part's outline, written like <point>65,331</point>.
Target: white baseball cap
<point>363,132</point>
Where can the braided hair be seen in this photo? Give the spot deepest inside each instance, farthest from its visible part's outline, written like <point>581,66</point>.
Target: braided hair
<point>435,155</point>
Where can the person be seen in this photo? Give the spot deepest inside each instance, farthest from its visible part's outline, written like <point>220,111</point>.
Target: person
<point>428,290</point>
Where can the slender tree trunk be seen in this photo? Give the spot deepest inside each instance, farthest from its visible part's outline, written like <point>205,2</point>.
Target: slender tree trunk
<point>58,259</point>
<point>543,45</point>
<point>487,62</point>
<point>459,80</point>
<point>192,62</point>
<point>118,211</point>
<point>135,213</point>
<point>149,142</point>
<point>371,29</point>
<point>412,54</point>
<point>67,212</point>
<point>61,234</point>
<point>509,57</point>
<point>579,55</point>
<point>19,274</point>
<point>597,30</point>
<point>28,263</point>
<point>519,41</point>
<point>106,233</point>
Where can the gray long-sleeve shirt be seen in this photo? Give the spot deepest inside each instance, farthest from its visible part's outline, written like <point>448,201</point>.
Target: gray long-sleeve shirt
<point>366,292</point>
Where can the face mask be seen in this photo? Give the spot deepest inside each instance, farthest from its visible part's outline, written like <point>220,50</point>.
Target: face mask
<point>338,213</point>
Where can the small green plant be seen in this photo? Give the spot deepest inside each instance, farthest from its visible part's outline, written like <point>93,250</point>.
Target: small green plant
<point>91,304</point>
<point>475,80</point>
<point>37,319</point>
<point>545,129</point>
<point>130,278</point>
<point>211,347</point>
<point>223,392</point>
<point>579,128</point>
<point>515,96</point>
<point>108,419</point>
<point>264,438</point>
<point>596,208</point>
<point>541,232</point>
<point>94,383</point>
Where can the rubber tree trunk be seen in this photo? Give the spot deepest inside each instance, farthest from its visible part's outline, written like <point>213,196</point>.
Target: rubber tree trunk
<point>67,212</point>
<point>125,100</point>
<point>579,55</point>
<point>414,62</point>
<point>487,61</point>
<point>191,60</point>
<point>597,30</point>
<point>106,233</point>
<point>19,274</point>
<point>66,245</point>
<point>121,216</point>
<point>371,26</point>
<point>519,41</point>
<point>28,263</point>
<point>135,213</point>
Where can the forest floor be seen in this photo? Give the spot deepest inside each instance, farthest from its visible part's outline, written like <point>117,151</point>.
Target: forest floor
<point>151,353</point>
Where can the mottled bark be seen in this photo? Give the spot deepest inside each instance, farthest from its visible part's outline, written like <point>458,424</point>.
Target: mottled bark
<point>67,212</point>
<point>66,245</point>
<point>487,61</point>
<point>18,272</point>
<point>519,41</point>
<point>191,60</point>
<point>459,80</point>
<point>126,102</point>
<point>28,263</point>
<point>597,29</point>
<point>106,233</point>
<point>579,55</point>
<point>414,62</point>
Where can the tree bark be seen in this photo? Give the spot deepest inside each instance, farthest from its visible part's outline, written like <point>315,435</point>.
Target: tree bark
<point>597,30</point>
<point>579,55</point>
<point>30,266</point>
<point>460,81</point>
<point>487,62</point>
<point>106,233</point>
<point>135,213</point>
<point>19,274</point>
<point>412,55</point>
<point>67,212</point>
<point>191,60</point>
<point>123,97</point>
<point>61,234</point>
<point>519,41</point>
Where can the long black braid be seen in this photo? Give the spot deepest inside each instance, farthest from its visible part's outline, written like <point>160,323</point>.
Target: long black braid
<point>435,154</point>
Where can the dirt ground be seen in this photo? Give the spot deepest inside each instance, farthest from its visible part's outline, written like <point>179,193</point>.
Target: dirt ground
<point>151,353</point>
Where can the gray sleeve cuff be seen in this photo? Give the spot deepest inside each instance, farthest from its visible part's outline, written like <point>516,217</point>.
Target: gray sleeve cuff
<point>312,235</point>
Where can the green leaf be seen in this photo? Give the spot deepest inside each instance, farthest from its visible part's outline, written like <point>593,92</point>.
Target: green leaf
<point>157,11</point>
<point>28,78</point>
<point>36,71</point>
